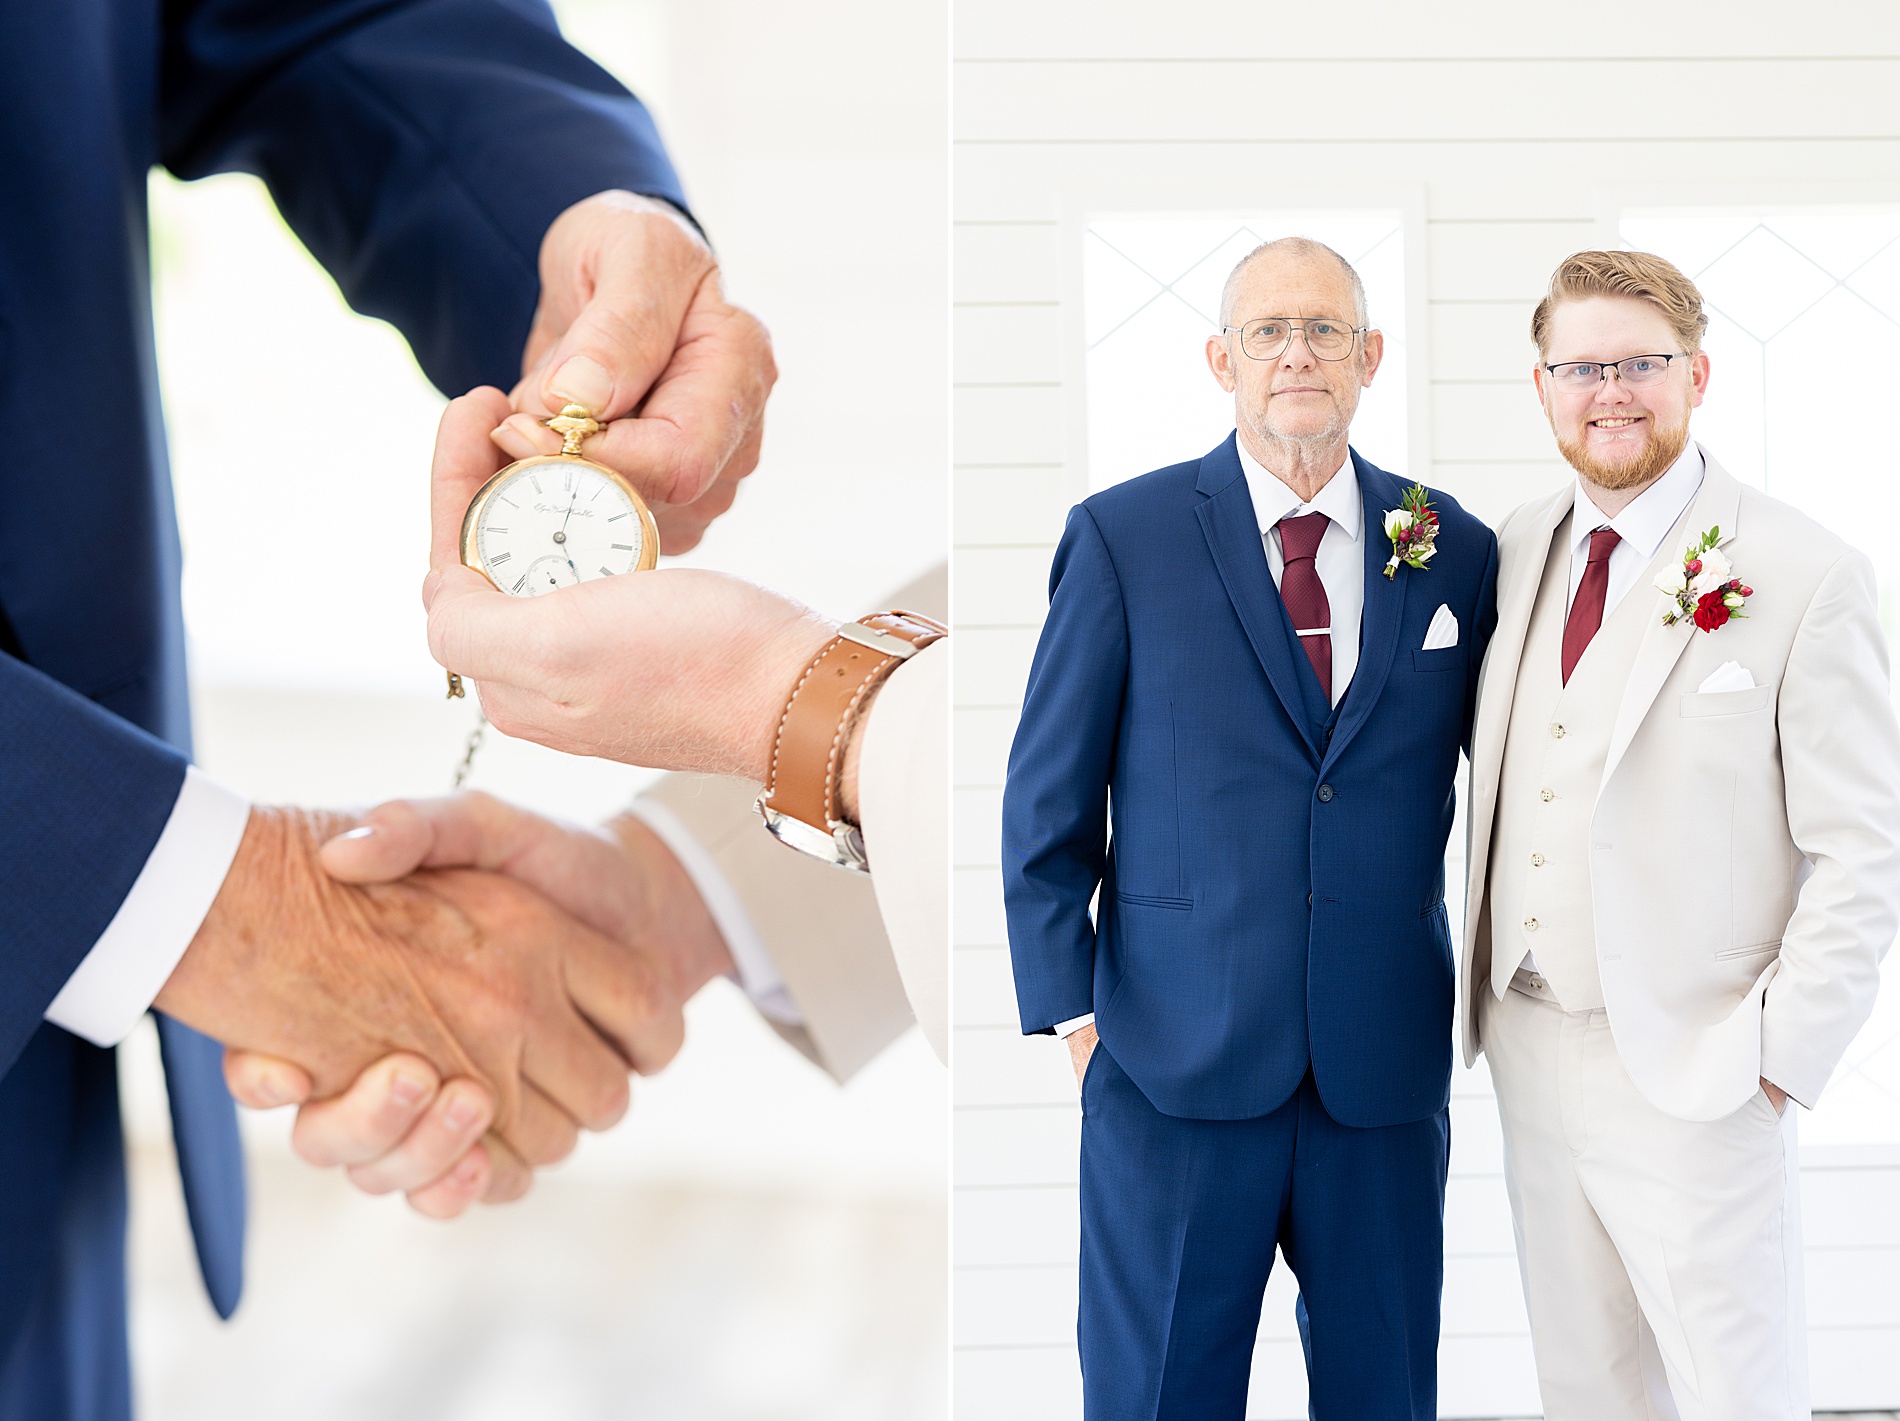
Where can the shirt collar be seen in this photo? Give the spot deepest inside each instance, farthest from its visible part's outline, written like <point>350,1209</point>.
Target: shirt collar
<point>1273,500</point>
<point>1650,515</point>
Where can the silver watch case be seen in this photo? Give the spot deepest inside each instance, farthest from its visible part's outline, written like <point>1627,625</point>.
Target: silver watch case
<point>841,847</point>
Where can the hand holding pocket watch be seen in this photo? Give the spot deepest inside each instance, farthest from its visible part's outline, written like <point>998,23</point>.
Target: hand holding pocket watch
<point>688,669</point>
<point>552,521</point>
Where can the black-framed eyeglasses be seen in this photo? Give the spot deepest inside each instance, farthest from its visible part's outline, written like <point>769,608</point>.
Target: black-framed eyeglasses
<point>1632,370</point>
<point>1268,337</point>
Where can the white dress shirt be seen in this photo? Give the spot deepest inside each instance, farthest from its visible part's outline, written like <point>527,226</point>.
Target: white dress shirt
<point>117,981</point>
<point>1642,525</point>
<point>1340,562</point>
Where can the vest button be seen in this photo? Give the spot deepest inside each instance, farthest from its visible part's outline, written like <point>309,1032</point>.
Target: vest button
<point>1325,794</point>
<point>1556,732</point>
<point>1547,795</point>
<point>1537,860</point>
<point>1530,925</point>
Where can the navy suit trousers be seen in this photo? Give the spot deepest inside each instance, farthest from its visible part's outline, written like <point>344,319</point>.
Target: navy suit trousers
<point>65,1354</point>
<point>1180,1220</point>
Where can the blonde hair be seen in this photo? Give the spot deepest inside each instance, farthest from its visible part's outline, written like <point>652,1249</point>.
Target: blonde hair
<point>1641,275</point>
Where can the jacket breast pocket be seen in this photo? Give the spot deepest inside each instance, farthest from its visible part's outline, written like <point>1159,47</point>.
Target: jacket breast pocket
<point>1755,698</point>
<point>1442,658</point>
<point>1149,900</point>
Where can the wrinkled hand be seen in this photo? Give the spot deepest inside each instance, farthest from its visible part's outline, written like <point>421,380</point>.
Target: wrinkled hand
<point>633,325</point>
<point>392,1129</point>
<point>1082,1042</point>
<point>676,668</point>
<point>472,973</point>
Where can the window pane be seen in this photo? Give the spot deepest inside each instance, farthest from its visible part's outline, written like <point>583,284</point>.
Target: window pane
<point>1151,298</point>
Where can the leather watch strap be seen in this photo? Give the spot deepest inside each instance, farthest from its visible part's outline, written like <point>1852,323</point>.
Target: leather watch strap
<point>801,801</point>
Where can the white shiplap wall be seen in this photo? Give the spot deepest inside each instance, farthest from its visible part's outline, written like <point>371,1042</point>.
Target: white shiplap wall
<point>1512,135</point>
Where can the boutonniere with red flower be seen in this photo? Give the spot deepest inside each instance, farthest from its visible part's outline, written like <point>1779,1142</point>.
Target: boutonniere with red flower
<point>1705,588</point>
<point>1413,529</point>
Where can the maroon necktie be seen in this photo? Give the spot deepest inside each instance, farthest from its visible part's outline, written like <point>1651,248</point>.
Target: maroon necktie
<point>1586,613</point>
<point>1305,595</point>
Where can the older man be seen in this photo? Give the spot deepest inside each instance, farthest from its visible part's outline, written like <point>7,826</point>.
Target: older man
<point>1258,669</point>
<point>1685,830</point>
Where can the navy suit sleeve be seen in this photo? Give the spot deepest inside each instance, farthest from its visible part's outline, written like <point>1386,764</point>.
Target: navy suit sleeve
<point>420,149</point>
<point>63,874</point>
<point>1055,804</point>
<point>1487,623</point>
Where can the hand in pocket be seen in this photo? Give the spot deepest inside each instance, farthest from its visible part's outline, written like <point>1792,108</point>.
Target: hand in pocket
<point>1081,1046</point>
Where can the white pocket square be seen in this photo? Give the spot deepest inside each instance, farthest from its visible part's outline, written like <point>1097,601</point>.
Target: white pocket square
<point>1443,631</point>
<point>1729,676</point>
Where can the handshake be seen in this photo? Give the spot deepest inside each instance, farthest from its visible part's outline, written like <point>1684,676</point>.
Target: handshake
<point>452,989</point>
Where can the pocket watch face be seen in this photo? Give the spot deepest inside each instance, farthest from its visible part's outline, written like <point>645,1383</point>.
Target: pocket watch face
<point>554,521</point>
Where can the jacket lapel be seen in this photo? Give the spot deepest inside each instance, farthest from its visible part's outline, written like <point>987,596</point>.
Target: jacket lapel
<point>1232,531</point>
<point>1714,506</point>
<point>1523,553</point>
<point>1384,606</point>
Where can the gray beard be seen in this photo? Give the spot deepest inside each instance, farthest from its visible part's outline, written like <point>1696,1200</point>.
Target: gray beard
<point>1300,445</point>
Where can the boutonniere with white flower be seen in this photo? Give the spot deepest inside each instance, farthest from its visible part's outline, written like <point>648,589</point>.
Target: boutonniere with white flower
<point>1705,588</point>
<point>1413,529</point>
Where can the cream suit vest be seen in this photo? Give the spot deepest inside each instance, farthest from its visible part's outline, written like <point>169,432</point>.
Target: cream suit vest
<point>1554,753</point>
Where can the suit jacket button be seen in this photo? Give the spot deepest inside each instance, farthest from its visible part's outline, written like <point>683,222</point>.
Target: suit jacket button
<point>1325,794</point>
<point>1309,900</point>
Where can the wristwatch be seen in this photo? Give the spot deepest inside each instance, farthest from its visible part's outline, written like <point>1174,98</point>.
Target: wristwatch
<point>801,803</point>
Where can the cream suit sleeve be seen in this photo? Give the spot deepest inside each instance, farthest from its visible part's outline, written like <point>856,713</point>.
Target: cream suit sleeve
<point>904,806</point>
<point>1840,757</point>
<point>831,933</point>
<point>819,924</point>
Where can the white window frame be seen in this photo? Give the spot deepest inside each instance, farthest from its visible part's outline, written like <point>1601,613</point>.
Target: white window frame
<point>1079,207</point>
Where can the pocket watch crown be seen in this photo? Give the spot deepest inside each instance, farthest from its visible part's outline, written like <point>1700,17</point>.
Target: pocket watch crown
<point>573,424</point>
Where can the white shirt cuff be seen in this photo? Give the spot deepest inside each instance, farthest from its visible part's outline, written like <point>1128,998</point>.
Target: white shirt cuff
<point>116,983</point>
<point>757,974</point>
<point>1074,1024</point>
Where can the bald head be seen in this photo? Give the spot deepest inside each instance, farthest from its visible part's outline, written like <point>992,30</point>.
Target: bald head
<point>1290,251</point>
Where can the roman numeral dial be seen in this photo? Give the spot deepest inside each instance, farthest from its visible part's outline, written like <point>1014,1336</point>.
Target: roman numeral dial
<point>551,522</point>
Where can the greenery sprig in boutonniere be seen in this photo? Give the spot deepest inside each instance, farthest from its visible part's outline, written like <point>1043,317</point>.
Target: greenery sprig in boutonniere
<point>1704,589</point>
<point>1413,529</point>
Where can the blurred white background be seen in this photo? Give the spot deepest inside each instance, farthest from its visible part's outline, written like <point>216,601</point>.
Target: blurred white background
<point>753,1241</point>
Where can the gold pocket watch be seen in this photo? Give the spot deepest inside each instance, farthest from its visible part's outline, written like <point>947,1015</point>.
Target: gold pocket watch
<point>557,520</point>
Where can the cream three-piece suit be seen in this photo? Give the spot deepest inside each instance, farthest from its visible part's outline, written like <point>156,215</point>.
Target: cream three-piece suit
<point>1673,894</point>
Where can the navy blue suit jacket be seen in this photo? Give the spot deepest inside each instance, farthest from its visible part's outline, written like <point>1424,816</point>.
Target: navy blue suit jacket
<point>1271,871</point>
<point>420,148</point>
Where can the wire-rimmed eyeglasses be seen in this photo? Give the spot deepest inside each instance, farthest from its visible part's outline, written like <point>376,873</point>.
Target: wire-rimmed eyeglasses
<point>1633,370</point>
<point>1268,337</point>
